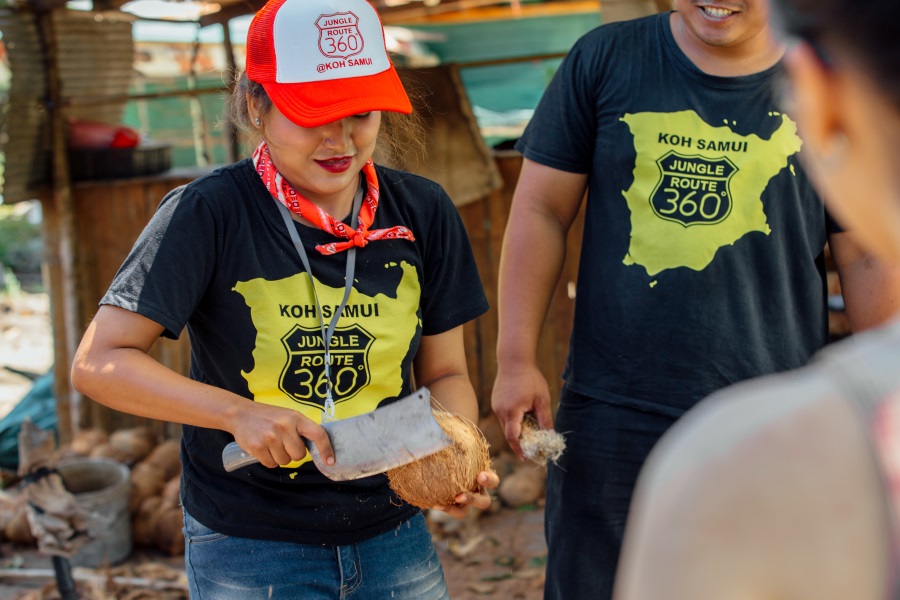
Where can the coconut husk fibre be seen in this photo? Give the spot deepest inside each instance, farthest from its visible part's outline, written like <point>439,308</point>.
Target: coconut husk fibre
<point>438,478</point>
<point>540,445</point>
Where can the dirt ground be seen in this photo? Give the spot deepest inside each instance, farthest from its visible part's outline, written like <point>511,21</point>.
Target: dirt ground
<point>498,554</point>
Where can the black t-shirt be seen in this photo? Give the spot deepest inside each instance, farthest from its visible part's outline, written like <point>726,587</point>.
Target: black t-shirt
<point>702,258</point>
<point>217,258</point>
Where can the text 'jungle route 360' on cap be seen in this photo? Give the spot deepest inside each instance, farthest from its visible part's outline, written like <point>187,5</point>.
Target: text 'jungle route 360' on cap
<point>323,60</point>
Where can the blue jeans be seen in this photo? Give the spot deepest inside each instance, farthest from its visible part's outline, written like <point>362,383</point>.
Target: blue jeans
<point>399,564</point>
<point>589,492</point>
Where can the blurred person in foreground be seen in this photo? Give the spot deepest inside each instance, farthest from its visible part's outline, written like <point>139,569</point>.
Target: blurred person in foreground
<point>701,263</point>
<point>305,255</point>
<point>789,486</point>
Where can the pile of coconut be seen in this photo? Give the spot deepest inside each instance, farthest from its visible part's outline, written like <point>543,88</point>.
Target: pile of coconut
<point>432,481</point>
<point>155,486</point>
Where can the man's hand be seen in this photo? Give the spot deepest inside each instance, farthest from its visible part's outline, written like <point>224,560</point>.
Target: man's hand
<point>274,435</point>
<point>517,391</point>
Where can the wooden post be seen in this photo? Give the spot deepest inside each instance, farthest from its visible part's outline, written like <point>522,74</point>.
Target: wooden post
<point>198,123</point>
<point>234,146</point>
<point>66,230</point>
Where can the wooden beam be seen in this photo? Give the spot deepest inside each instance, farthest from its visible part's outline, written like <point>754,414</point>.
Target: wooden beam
<point>67,232</point>
<point>230,11</point>
<point>43,6</point>
<point>417,12</point>
<point>77,101</point>
<point>466,11</point>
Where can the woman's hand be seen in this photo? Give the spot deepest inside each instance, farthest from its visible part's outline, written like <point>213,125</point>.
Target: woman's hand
<point>275,435</point>
<point>487,480</point>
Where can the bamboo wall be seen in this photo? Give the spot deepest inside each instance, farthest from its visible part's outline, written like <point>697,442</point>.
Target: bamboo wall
<point>111,214</point>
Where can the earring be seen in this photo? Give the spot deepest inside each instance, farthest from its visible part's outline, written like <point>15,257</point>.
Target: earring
<point>256,122</point>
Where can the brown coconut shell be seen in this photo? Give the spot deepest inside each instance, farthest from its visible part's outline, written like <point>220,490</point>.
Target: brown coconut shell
<point>166,457</point>
<point>526,485</point>
<point>83,443</point>
<point>133,444</point>
<point>171,492</point>
<point>146,481</point>
<point>169,534</point>
<point>493,432</point>
<point>9,506</point>
<point>107,450</point>
<point>437,479</point>
<point>18,530</point>
<point>143,525</point>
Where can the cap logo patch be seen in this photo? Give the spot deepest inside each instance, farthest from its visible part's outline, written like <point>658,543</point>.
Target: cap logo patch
<point>339,35</point>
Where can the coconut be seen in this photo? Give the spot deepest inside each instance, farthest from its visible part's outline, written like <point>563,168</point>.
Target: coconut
<point>169,533</point>
<point>146,481</point>
<point>143,525</point>
<point>526,485</point>
<point>171,492</point>
<point>84,442</point>
<point>108,450</point>
<point>166,456</point>
<point>18,530</point>
<point>132,445</point>
<point>9,506</point>
<point>438,478</point>
<point>540,445</point>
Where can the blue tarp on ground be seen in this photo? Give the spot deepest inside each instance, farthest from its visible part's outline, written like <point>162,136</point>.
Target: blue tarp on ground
<point>39,404</point>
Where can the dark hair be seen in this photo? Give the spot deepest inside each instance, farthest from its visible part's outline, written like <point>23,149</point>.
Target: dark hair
<point>864,30</point>
<point>400,139</point>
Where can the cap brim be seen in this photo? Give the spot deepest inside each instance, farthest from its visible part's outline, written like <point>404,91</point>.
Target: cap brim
<point>312,104</point>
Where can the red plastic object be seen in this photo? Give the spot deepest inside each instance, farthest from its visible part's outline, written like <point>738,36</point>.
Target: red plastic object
<point>94,135</point>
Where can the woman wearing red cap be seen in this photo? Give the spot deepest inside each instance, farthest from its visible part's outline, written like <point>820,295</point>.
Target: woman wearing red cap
<point>313,284</point>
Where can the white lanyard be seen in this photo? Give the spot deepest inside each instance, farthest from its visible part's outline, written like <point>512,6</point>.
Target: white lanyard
<point>328,409</point>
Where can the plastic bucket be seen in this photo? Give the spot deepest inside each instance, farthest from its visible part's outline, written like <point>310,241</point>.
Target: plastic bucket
<point>101,486</point>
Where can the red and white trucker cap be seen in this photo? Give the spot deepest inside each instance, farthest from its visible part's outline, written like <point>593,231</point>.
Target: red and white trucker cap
<point>323,60</point>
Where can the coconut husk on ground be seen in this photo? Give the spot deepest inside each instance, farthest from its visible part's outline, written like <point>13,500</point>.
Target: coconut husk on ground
<point>437,479</point>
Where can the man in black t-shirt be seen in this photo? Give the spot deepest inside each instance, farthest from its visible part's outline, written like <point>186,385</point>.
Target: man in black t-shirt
<point>701,263</point>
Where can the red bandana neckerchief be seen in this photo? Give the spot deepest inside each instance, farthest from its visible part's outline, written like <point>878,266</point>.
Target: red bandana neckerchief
<point>282,191</point>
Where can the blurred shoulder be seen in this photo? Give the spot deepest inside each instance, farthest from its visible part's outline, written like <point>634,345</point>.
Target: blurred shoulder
<point>772,486</point>
<point>740,421</point>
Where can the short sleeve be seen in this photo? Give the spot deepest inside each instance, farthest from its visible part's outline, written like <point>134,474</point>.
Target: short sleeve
<point>169,268</point>
<point>561,133</point>
<point>452,290</point>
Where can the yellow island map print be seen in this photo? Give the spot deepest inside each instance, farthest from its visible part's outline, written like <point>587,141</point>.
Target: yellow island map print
<point>370,341</point>
<point>698,188</point>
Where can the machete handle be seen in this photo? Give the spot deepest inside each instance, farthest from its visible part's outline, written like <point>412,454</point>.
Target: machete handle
<point>234,457</point>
